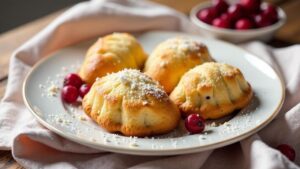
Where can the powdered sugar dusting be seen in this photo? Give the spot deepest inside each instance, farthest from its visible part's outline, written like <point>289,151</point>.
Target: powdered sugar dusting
<point>53,90</point>
<point>184,44</point>
<point>139,84</point>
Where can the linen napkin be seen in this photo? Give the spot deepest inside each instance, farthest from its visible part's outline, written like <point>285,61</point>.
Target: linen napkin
<point>34,146</point>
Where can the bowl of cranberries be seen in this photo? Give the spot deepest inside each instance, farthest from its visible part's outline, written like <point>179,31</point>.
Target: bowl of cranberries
<point>238,22</point>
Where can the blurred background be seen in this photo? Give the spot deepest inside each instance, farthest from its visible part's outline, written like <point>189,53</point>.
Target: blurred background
<point>15,13</point>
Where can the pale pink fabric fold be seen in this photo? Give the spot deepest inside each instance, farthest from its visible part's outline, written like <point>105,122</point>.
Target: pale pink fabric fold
<point>34,146</point>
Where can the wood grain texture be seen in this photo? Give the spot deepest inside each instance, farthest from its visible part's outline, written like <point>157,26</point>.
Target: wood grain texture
<point>291,30</point>
<point>7,161</point>
<point>181,5</point>
<point>9,41</point>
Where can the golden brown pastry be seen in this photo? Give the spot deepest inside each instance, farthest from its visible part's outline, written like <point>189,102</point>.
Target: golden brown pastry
<point>212,90</point>
<point>172,58</point>
<point>112,53</point>
<point>132,103</point>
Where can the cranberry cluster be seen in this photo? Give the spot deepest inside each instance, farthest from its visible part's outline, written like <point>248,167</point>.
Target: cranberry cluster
<point>74,87</point>
<point>246,14</point>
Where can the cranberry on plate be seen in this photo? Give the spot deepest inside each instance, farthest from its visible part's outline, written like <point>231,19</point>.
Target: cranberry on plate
<point>69,94</point>
<point>73,79</point>
<point>194,123</point>
<point>287,150</point>
<point>84,89</point>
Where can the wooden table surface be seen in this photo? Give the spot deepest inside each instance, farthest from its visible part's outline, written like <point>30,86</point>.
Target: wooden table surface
<point>289,34</point>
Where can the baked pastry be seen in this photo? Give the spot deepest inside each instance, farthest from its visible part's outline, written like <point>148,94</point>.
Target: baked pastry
<point>132,103</point>
<point>212,90</point>
<point>172,58</point>
<point>112,53</point>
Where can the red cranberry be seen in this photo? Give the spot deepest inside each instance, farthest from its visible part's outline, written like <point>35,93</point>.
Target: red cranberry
<point>235,11</point>
<point>243,24</point>
<point>226,17</point>
<point>262,20</point>
<point>251,5</point>
<point>207,15</point>
<point>287,150</point>
<point>218,22</point>
<point>271,11</point>
<point>194,123</point>
<point>220,5</point>
<point>73,80</point>
<point>69,94</point>
<point>84,89</point>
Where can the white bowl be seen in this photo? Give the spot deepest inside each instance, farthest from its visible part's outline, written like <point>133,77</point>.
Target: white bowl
<point>235,36</point>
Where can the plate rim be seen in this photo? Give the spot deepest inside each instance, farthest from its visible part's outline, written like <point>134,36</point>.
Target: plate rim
<point>154,152</point>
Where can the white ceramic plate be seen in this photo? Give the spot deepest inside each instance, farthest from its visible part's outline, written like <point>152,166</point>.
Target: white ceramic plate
<point>70,121</point>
